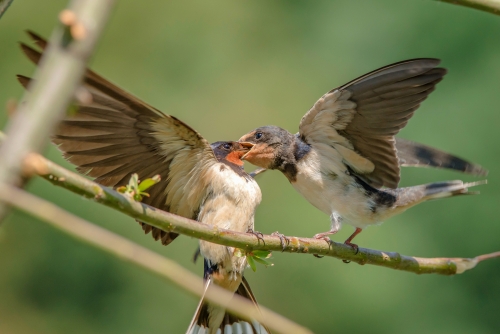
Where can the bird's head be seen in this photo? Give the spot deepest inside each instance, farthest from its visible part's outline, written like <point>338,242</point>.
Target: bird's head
<point>269,145</point>
<point>231,151</point>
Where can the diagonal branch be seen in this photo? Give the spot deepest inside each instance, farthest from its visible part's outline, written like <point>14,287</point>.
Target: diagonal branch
<point>490,6</point>
<point>58,77</point>
<point>36,164</point>
<point>4,5</point>
<point>144,258</point>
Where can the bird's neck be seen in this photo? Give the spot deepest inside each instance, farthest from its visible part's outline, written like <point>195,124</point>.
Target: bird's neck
<point>289,154</point>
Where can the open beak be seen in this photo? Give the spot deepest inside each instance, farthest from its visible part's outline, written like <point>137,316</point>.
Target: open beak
<point>246,147</point>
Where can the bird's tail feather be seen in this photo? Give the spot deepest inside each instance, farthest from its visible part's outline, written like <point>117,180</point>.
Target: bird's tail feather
<point>230,323</point>
<point>196,315</point>
<point>450,188</point>
<point>410,196</point>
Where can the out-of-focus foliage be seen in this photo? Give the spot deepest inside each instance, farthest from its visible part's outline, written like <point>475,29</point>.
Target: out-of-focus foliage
<point>226,67</point>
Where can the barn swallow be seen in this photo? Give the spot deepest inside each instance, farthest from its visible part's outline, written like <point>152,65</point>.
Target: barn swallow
<point>345,158</point>
<point>116,134</point>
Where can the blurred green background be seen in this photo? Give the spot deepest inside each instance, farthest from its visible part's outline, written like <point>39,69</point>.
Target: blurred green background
<point>226,67</point>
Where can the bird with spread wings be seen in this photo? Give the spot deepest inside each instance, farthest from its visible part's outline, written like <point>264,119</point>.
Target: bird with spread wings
<point>346,161</point>
<point>114,135</point>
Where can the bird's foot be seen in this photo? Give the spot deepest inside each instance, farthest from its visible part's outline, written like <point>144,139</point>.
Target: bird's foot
<point>257,234</point>
<point>354,246</point>
<point>284,241</point>
<point>349,243</point>
<point>324,236</point>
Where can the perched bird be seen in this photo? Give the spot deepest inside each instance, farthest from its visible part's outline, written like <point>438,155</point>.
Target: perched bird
<point>114,134</point>
<point>345,159</point>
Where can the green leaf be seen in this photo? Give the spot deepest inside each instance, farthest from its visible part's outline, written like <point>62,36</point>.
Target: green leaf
<point>251,263</point>
<point>262,254</point>
<point>147,183</point>
<point>264,262</point>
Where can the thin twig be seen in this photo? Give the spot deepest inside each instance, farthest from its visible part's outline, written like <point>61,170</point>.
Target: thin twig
<point>58,76</point>
<point>4,5</point>
<point>36,164</point>
<point>487,256</point>
<point>142,257</point>
<point>490,6</point>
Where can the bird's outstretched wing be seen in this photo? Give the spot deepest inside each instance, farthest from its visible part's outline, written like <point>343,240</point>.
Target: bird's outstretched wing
<point>116,135</point>
<point>360,118</point>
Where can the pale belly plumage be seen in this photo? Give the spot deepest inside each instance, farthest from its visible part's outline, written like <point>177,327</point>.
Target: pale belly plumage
<point>327,185</point>
<point>230,204</point>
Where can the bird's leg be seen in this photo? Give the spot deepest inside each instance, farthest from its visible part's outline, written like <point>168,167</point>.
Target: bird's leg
<point>348,241</point>
<point>336,222</point>
<point>283,240</point>
<point>257,234</point>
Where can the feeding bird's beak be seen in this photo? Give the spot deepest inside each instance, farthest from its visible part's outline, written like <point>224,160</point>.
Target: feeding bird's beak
<point>247,144</point>
<point>261,154</point>
<point>247,147</point>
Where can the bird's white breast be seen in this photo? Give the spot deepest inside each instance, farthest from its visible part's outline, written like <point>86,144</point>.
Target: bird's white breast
<point>324,181</point>
<point>230,204</point>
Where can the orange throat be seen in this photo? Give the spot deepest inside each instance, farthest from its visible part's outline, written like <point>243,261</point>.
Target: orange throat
<point>235,157</point>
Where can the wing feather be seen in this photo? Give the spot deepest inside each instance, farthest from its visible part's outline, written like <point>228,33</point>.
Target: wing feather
<point>418,155</point>
<point>117,135</point>
<point>361,118</point>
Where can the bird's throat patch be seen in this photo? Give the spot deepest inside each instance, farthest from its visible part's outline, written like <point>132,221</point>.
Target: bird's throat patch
<point>235,158</point>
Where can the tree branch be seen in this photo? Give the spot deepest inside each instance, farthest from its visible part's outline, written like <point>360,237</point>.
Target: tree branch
<point>4,5</point>
<point>144,258</point>
<point>490,6</point>
<point>58,77</point>
<point>36,164</point>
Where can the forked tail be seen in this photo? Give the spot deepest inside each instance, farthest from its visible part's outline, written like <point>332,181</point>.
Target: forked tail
<point>230,323</point>
<point>407,197</point>
<point>450,188</point>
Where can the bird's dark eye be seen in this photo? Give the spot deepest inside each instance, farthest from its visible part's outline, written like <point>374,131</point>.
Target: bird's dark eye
<point>258,135</point>
<point>227,146</point>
